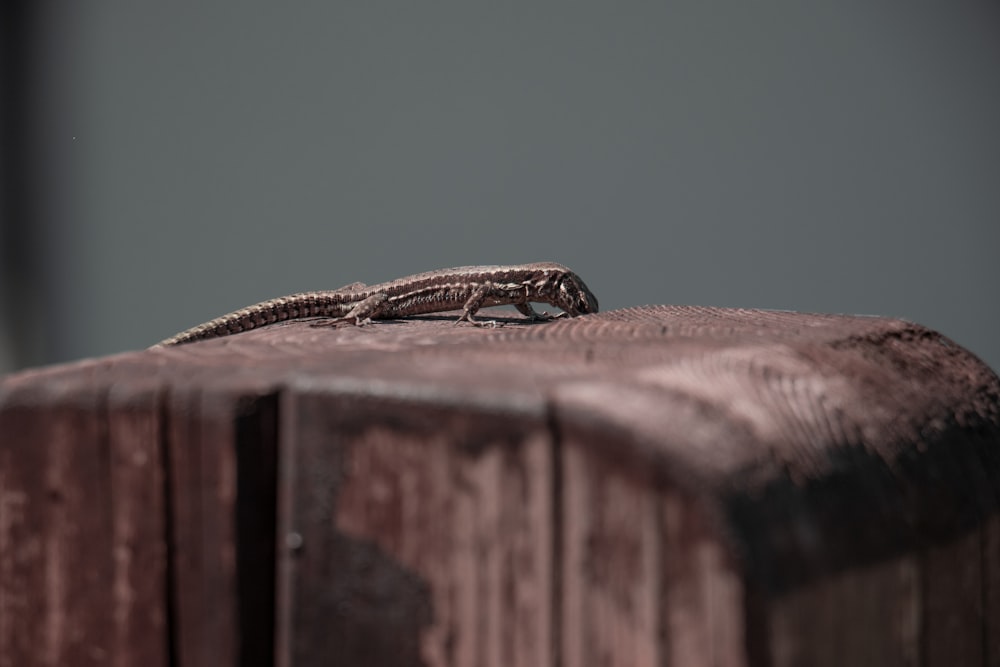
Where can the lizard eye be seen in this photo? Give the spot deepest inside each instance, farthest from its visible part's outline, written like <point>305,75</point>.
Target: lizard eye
<point>585,302</point>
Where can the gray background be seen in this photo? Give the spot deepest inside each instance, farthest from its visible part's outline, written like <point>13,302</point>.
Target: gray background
<point>819,156</point>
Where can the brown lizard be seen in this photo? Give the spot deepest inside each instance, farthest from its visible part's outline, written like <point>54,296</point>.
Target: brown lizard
<point>467,287</point>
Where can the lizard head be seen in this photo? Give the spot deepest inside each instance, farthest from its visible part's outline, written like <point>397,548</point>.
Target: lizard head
<point>573,296</point>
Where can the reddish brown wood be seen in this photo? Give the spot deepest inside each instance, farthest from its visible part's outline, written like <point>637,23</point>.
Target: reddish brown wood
<point>63,543</point>
<point>953,595</point>
<point>202,498</point>
<point>991,590</point>
<point>139,548</point>
<point>81,548</point>
<point>431,521</point>
<point>664,485</point>
<point>221,495</point>
<point>869,616</point>
<point>613,574</point>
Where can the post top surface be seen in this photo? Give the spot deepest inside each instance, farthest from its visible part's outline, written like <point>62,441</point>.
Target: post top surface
<point>711,389</point>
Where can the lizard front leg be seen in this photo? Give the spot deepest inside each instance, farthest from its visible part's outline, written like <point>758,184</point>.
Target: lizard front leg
<point>508,293</point>
<point>535,316</point>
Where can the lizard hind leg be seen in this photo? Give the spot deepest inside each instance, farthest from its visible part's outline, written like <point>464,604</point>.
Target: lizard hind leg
<point>366,310</point>
<point>474,303</point>
<point>361,313</point>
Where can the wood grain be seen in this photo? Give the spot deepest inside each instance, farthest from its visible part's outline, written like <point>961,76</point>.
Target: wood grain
<point>81,530</point>
<point>648,486</point>
<point>139,530</point>
<point>438,525</point>
<point>221,467</point>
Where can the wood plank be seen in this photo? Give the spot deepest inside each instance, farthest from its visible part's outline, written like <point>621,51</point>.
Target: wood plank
<point>611,581</point>
<point>22,533</point>
<point>871,616</point>
<point>704,597</point>
<point>430,528</point>
<point>991,589</point>
<point>201,497</point>
<point>220,445</point>
<point>646,579</point>
<point>56,532</point>
<point>953,591</point>
<point>736,461</point>
<point>139,613</point>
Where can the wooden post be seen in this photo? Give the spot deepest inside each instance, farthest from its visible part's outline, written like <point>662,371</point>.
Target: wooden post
<point>661,485</point>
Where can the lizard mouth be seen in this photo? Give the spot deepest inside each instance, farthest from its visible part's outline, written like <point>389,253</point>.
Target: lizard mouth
<point>577,299</point>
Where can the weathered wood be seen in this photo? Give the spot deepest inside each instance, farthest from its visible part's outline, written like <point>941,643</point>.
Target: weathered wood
<point>139,528</point>
<point>869,616</point>
<point>432,524</point>
<point>991,590</point>
<point>81,529</point>
<point>953,597</point>
<point>663,485</point>
<point>57,535</point>
<point>204,470</point>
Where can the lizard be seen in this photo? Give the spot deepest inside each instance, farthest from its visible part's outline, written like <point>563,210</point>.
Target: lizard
<point>467,287</point>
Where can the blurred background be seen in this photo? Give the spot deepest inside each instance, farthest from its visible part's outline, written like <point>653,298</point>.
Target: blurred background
<point>165,163</point>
